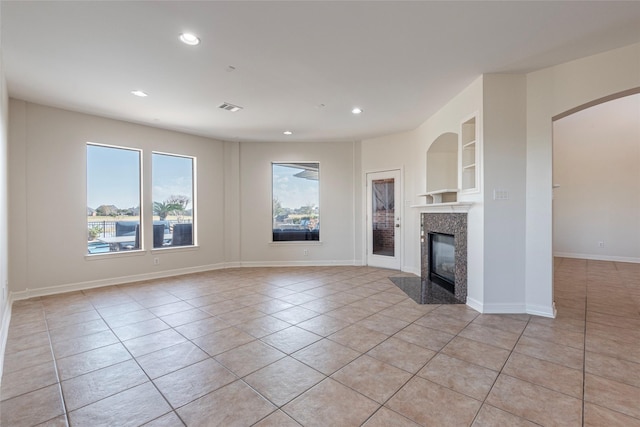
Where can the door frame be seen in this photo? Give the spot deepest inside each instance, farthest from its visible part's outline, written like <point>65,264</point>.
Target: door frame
<point>395,262</point>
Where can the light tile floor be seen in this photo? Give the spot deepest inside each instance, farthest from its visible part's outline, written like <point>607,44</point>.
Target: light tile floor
<point>325,346</point>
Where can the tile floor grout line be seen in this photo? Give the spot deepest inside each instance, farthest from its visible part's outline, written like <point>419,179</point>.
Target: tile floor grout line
<point>484,401</point>
<point>55,364</point>
<point>360,298</point>
<point>121,342</point>
<point>413,375</point>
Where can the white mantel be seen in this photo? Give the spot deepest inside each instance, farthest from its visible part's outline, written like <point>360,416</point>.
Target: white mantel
<point>453,207</point>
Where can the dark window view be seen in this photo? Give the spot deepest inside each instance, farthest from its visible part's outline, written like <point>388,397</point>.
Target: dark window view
<point>296,199</point>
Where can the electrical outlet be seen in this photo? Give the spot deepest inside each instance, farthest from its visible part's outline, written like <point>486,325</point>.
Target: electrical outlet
<point>306,252</point>
<point>500,194</point>
<point>601,244</point>
<point>156,261</point>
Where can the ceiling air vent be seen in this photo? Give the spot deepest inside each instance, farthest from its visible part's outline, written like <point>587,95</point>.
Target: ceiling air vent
<point>229,107</point>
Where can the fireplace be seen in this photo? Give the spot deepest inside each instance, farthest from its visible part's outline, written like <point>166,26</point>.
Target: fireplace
<point>444,254</point>
<point>442,265</point>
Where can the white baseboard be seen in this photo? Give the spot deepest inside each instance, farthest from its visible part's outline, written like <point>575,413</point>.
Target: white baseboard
<point>543,311</point>
<point>328,263</point>
<point>475,304</point>
<point>512,308</point>
<point>4,332</point>
<point>412,270</point>
<point>234,264</point>
<point>597,257</point>
<point>71,287</point>
<point>504,308</point>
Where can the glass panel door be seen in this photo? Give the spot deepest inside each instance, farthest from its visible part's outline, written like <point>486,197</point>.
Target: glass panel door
<point>383,217</point>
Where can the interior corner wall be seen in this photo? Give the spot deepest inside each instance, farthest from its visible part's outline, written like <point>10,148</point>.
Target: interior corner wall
<point>358,206</point>
<point>338,201</point>
<point>47,194</point>
<point>504,148</point>
<point>232,206</point>
<point>596,153</point>
<point>550,92</point>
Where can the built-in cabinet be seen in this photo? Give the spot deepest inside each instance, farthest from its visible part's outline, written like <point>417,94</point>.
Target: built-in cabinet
<point>453,165</point>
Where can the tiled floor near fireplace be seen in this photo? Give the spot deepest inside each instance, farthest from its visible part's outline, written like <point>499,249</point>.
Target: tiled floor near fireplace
<point>330,346</point>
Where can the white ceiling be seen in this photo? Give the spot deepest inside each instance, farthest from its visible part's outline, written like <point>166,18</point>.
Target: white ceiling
<point>399,61</point>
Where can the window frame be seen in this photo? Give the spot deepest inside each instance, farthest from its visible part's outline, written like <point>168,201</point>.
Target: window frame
<point>135,251</point>
<point>145,166</point>
<point>272,192</point>
<point>194,192</point>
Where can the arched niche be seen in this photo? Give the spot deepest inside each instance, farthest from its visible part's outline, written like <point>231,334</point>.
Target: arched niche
<point>442,163</point>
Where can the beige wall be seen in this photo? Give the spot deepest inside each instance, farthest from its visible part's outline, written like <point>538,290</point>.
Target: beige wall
<point>47,189</point>
<point>596,158</point>
<point>48,200</point>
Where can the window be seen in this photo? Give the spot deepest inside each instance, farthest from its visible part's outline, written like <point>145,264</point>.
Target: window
<point>113,199</point>
<point>296,200</point>
<point>173,190</point>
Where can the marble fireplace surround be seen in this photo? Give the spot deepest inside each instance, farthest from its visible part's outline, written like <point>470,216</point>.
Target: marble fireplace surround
<point>446,223</point>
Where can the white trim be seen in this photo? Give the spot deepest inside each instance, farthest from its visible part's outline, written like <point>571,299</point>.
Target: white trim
<point>233,264</point>
<point>285,243</point>
<point>540,310</point>
<point>514,308</point>
<point>453,207</point>
<point>475,304</point>
<point>4,331</point>
<point>328,263</point>
<point>504,308</point>
<point>58,289</point>
<point>71,287</point>
<point>395,262</point>
<point>412,270</point>
<point>597,257</point>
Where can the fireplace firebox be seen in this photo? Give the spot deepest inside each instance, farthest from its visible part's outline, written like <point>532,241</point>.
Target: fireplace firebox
<point>442,260</point>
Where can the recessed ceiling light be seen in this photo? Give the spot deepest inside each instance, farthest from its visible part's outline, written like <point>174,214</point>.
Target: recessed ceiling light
<point>139,93</point>
<point>288,132</point>
<point>356,110</point>
<point>190,39</point>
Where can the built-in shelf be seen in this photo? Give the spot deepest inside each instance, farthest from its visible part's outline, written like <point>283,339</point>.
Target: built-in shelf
<point>441,196</point>
<point>469,155</point>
